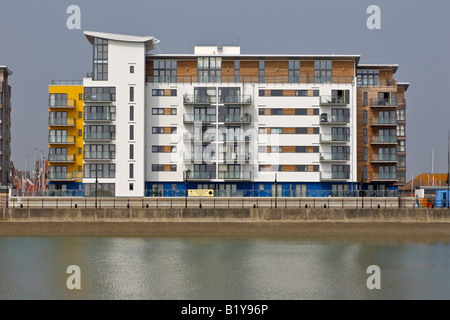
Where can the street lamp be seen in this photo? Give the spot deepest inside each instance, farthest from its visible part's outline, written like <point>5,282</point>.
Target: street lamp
<point>276,190</point>
<point>96,190</point>
<point>362,191</point>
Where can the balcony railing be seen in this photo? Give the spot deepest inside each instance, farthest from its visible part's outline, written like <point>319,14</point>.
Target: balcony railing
<point>99,136</point>
<point>334,137</point>
<point>383,157</point>
<point>61,139</point>
<point>334,175</point>
<point>384,139</point>
<point>61,157</point>
<point>103,116</point>
<point>332,100</point>
<point>61,121</point>
<point>233,138</point>
<point>100,97</point>
<point>237,118</point>
<point>384,176</point>
<point>390,103</point>
<point>66,103</point>
<point>195,99</point>
<point>74,175</point>
<point>335,119</point>
<point>241,175</point>
<point>383,121</point>
<point>251,79</point>
<point>199,118</point>
<point>99,155</point>
<point>226,156</point>
<point>190,137</point>
<point>375,83</point>
<point>67,82</point>
<point>334,156</point>
<point>235,99</point>
<point>202,175</point>
<point>198,156</point>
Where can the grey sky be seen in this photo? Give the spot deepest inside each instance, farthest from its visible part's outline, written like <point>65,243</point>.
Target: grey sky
<point>36,45</point>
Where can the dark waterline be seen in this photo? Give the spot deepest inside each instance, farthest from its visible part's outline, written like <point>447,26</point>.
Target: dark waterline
<point>224,268</point>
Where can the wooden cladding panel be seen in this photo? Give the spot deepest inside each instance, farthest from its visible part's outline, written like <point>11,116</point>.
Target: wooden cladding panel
<point>288,167</point>
<point>167,130</point>
<point>230,66</point>
<point>288,130</point>
<point>310,93</point>
<point>288,93</point>
<point>149,68</point>
<point>288,148</point>
<point>167,111</point>
<point>310,168</point>
<point>249,68</point>
<point>310,130</point>
<point>310,112</point>
<point>167,167</point>
<point>192,68</point>
<point>267,111</point>
<point>288,111</point>
<point>386,75</point>
<point>270,69</point>
<point>307,70</point>
<point>167,149</point>
<point>348,66</point>
<point>310,149</point>
<point>267,93</point>
<point>167,92</point>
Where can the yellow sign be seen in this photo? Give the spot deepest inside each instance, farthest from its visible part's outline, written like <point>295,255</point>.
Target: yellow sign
<point>200,193</point>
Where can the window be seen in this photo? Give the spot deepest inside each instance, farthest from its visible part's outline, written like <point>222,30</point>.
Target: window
<point>163,130</point>
<point>131,113</point>
<point>131,186</point>
<point>99,151</point>
<point>80,114</point>
<point>57,100</point>
<point>164,149</point>
<point>162,92</point>
<point>365,173</point>
<point>300,190</point>
<point>294,71</point>
<point>99,132</point>
<point>131,94</point>
<point>165,71</point>
<point>315,93</point>
<point>400,130</point>
<point>365,136</point>
<point>100,59</point>
<point>100,113</point>
<point>261,71</point>
<point>401,115</point>
<point>301,93</point>
<point>401,161</point>
<point>209,69</point>
<point>237,71</point>
<point>368,78</point>
<point>164,111</point>
<point>80,150</point>
<point>131,151</point>
<point>401,146</point>
<point>131,171</point>
<point>99,94</point>
<point>164,167</point>
<point>80,96</point>
<point>262,93</point>
<point>365,99</point>
<point>131,132</point>
<point>131,69</point>
<point>322,71</point>
<point>340,190</point>
<point>365,154</point>
<point>365,116</point>
<point>100,170</point>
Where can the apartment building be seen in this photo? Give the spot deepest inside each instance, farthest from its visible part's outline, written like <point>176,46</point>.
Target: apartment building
<point>65,139</point>
<point>5,127</point>
<point>381,128</point>
<point>238,124</point>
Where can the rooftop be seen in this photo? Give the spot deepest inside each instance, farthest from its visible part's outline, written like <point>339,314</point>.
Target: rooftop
<point>149,41</point>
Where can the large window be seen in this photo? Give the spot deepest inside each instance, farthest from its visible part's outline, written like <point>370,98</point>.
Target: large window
<point>165,71</point>
<point>99,94</point>
<point>99,132</point>
<point>99,151</point>
<point>323,71</point>
<point>368,78</point>
<point>294,71</point>
<point>57,100</point>
<point>209,69</point>
<point>100,59</point>
<point>261,72</point>
<point>100,113</point>
<point>237,71</point>
<point>99,189</point>
<point>100,170</point>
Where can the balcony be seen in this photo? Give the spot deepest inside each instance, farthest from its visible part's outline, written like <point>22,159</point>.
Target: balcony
<point>334,138</point>
<point>385,176</point>
<point>67,82</point>
<point>62,104</point>
<point>201,138</point>
<point>226,156</point>
<point>334,119</point>
<point>61,158</point>
<point>383,140</point>
<point>235,118</point>
<point>332,101</point>
<point>384,103</point>
<point>334,175</point>
<point>65,176</point>
<point>100,117</point>
<point>100,97</point>
<point>202,175</point>
<point>99,155</point>
<point>231,175</point>
<point>383,158</point>
<point>198,156</point>
<point>191,118</point>
<point>99,136</point>
<point>334,157</point>
<point>193,99</point>
<point>61,122</point>
<point>61,139</point>
<point>235,99</point>
<point>233,138</point>
<point>383,121</point>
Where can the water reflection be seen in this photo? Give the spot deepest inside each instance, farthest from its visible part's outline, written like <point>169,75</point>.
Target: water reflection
<point>224,268</point>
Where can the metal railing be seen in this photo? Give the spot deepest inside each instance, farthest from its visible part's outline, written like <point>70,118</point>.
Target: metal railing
<point>67,82</point>
<point>99,136</point>
<point>61,139</point>
<point>384,139</point>
<point>334,175</point>
<point>66,103</point>
<point>334,137</point>
<point>190,156</point>
<point>383,157</point>
<point>376,83</point>
<point>99,155</point>
<point>389,121</point>
<point>61,157</point>
<point>335,118</point>
<point>384,103</point>
<point>196,99</point>
<point>384,176</point>
<point>103,116</point>
<point>332,100</point>
<point>61,121</point>
<point>202,175</point>
<point>189,117</point>
<point>238,175</point>
<point>252,79</point>
<point>99,97</point>
<point>334,156</point>
<point>244,99</point>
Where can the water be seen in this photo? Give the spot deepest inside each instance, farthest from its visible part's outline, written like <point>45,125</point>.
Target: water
<point>224,268</point>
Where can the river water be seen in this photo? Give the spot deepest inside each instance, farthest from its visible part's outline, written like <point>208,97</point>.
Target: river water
<point>228,268</point>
